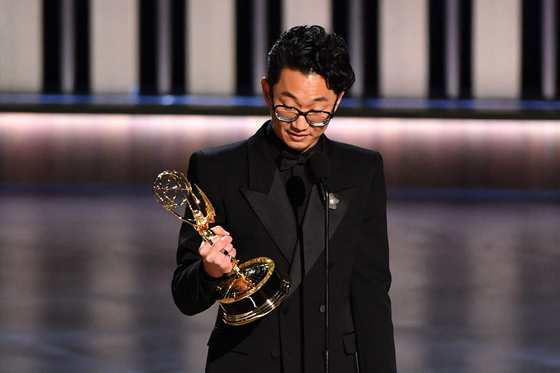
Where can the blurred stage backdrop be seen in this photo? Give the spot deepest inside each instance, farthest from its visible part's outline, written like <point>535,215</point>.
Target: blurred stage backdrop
<point>461,97</point>
<point>418,153</point>
<point>455,94</point>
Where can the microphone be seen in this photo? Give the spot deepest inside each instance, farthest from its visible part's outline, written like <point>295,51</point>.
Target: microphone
<point>318,170</point>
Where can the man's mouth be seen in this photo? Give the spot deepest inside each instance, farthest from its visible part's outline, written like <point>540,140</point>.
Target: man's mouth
<point>297,136</point>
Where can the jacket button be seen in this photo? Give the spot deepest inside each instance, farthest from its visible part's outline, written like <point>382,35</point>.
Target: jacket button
<point>275,354</point>
<point>285,310</point>
<point>331,264</point>
<point>322,308</point>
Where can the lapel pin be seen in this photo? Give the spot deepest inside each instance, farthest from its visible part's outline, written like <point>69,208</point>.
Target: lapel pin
<point>333,201</point>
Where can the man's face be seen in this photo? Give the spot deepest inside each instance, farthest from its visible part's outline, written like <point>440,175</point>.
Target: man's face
<point>304,92</point>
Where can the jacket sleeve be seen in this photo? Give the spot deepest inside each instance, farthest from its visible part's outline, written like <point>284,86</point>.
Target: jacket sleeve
<point>371,306</point>
<point>191,288</point>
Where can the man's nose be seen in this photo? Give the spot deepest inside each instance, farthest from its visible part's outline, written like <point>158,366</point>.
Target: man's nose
<point>300,123</point>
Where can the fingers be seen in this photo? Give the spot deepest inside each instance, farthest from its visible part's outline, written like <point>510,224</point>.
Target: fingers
<point>217,258</point>
<point>219,231</point>
<point>230,254</point>
<point>218,243</point>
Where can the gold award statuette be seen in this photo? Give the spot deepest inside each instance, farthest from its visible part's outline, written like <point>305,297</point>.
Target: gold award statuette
<point>251,289</point>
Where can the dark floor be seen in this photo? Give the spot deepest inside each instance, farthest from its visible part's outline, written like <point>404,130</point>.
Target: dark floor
<point>85,286</point>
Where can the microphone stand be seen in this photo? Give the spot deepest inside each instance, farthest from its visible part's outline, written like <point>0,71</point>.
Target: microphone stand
<point>325,198</point>
<point>319,171</point>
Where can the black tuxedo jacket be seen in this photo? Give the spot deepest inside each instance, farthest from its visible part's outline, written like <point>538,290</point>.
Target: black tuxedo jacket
<point>245,188</point>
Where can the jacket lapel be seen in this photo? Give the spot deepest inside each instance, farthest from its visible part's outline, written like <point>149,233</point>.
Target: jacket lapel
<point>267,195</point>
<point>314,224</point>
<point>275,213</point>
<point>338,185</point>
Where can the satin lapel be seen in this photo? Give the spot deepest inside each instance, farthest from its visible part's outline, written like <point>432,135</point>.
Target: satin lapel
<point>314,224</point>
<point>335,216</point>
<point>267,195</point>
<point>275,213</point>
<point>314,219</point>
<point>338,185</point>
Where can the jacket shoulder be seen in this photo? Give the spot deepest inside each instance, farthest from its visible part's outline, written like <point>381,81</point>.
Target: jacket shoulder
<point>223,151</point>
<point>350,151</point>
<point>219,157</point>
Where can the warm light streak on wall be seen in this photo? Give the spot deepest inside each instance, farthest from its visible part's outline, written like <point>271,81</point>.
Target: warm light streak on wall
<point>108,148</point>
<point>417,152</point>
<point>460,152</point>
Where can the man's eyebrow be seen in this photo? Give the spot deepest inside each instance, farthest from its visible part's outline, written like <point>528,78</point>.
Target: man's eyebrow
<point>288,94</point>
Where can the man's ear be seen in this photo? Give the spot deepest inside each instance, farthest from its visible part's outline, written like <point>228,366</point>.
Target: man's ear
<point>338,99</point>
<point>266,91</point>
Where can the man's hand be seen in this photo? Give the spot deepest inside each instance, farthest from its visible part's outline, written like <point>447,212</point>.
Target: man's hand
<point>214,261</point>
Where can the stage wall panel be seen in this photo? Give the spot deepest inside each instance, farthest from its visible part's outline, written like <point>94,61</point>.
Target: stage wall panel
<point>115,148</point>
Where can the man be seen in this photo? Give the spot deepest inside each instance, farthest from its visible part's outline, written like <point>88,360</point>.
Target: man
<point>267,206</point>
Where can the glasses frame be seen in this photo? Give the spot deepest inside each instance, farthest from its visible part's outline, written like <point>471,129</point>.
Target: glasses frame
<point>304,113</point>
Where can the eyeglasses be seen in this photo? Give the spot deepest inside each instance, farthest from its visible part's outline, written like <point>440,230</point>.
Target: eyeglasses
<point>316,118</point>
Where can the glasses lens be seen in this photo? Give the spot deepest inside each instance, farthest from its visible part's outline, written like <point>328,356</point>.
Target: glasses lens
<point>318,118</point>
<point>286,113</point>
<point>289,114</point>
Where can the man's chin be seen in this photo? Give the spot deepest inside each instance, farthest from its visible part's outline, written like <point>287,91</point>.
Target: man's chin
<point>297,146</point>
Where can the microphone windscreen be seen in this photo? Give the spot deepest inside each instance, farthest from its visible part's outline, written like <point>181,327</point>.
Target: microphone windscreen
<point>318,167</point>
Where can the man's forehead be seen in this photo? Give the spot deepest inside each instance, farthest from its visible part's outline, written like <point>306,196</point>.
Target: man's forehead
<point>290,95</point>
<point>295,83</point>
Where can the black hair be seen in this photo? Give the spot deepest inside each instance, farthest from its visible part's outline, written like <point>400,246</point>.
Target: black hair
<point>311,49</point>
